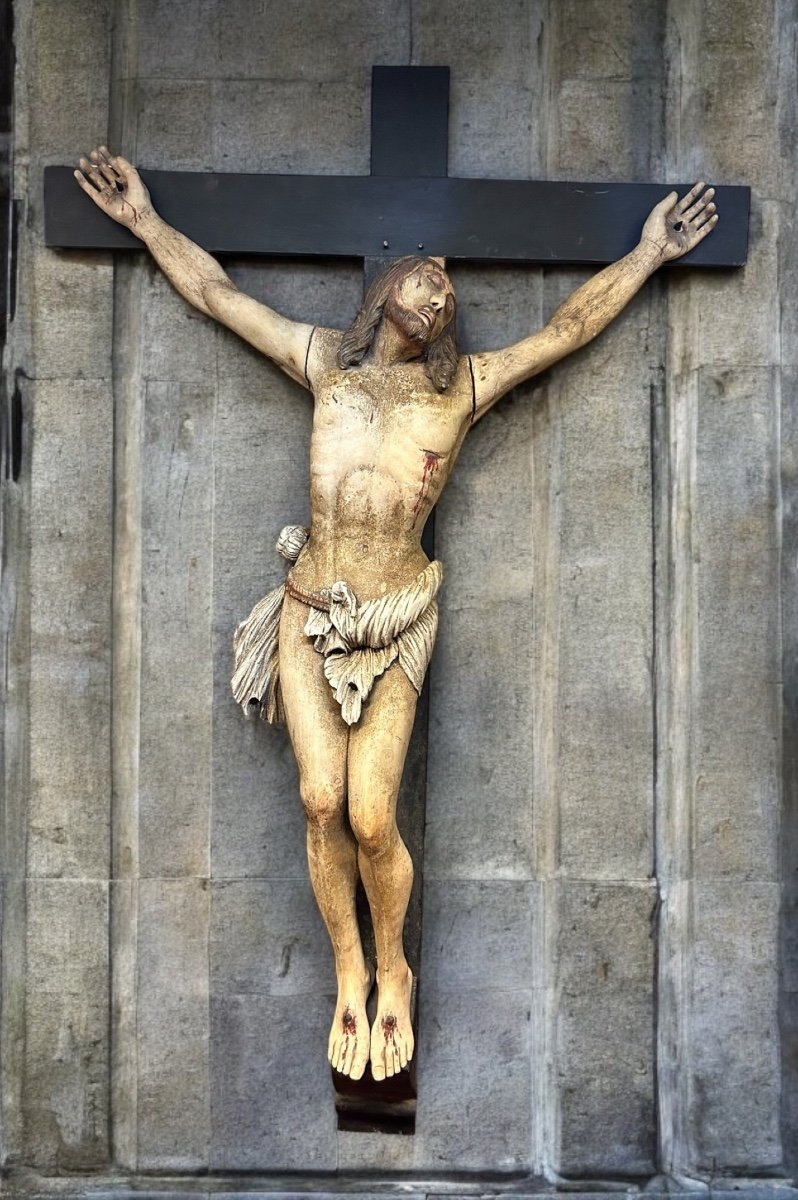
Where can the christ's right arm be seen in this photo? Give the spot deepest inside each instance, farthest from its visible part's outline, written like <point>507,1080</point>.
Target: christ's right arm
<point>116,187</point>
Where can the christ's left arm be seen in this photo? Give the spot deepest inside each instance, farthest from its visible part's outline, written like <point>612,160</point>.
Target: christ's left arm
<point>672,229</point>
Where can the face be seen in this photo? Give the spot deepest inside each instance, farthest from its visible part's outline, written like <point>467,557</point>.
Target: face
<point>422,305</point>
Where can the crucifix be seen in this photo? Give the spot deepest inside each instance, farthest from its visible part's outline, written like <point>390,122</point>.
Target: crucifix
<point>340,651</point>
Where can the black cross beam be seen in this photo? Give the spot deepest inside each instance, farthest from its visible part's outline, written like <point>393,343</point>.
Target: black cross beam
<point>408,201</point>
<point>407,205</point>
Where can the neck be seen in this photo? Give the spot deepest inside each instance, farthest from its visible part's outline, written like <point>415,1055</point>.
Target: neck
<point>391,346</point>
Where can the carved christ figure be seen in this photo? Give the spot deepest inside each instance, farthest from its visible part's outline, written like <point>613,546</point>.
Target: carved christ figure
<point>341,650</point>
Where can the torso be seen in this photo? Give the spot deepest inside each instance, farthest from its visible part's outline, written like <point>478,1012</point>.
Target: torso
<point>383,446</point>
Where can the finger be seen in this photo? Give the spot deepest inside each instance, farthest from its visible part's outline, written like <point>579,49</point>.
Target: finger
<point>702,202</point>
<point>87,187</point>
<point>92,174</point>
<point>108,175</point>
<point>687,200</point>
<point>106,154</point>
<point>667,204</point>
<point>122,165</point>
<point>699,234</point>
<point>702,217</point>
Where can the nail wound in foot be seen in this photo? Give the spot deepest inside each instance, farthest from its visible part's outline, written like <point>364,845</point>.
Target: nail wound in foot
<point>349,1022</point>
<point>389,1026</point>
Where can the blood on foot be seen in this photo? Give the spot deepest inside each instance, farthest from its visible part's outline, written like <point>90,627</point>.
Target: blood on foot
<point>349,1023</point>
<point>389,1026</point>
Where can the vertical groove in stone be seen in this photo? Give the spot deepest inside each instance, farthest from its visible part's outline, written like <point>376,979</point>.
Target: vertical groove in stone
<point>676,649</point>
<point>545,534</point>
<point>787,35</point>
<point>128,416</point>
<point>15,618</point>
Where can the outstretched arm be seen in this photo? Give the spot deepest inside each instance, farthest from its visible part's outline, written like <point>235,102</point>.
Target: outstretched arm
<point>116,187</point>
<point>672,228</point>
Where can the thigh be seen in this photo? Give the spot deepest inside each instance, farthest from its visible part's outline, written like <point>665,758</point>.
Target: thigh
<point>378,745</point>
<point>318,732</point>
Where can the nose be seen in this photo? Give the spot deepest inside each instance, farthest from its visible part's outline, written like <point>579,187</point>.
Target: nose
<point>438,301</point>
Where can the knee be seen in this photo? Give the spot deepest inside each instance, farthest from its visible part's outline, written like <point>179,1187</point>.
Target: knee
<point>374,828</point>
<point>323,801</point>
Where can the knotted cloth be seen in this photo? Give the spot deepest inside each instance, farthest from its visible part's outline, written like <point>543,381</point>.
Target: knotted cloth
<point>358,641</point>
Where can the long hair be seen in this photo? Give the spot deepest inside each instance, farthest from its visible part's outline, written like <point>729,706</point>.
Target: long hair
<point>440,357</point>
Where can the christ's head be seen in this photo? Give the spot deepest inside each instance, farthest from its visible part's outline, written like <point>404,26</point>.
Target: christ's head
<point>417,296</point>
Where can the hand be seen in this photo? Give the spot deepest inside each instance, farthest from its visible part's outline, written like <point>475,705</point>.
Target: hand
<point>115,186</point>
<point>676,226</point>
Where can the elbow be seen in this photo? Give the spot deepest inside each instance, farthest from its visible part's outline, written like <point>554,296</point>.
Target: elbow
<point>215,294</point>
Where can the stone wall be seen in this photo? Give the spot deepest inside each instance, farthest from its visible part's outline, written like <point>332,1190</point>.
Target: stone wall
<point>610,966</point>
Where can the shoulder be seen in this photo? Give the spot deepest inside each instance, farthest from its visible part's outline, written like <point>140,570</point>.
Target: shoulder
<point>322,353</point>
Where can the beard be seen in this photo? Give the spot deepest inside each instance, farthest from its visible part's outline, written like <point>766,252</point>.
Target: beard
<point>410,323</point>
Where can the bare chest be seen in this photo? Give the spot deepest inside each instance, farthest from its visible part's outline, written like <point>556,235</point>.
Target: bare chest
<point>387,423</point>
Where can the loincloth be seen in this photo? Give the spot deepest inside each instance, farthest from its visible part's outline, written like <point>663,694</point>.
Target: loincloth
<point>358,641</point>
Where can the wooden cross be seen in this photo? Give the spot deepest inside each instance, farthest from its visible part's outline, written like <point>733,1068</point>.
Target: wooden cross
<point>407,205</point>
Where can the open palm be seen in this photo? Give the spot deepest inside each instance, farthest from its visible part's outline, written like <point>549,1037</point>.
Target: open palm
<point>114,185</point>
<point>676,226</point>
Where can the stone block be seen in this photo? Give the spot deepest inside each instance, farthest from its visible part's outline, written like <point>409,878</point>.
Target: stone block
<point>177,41</point>
<point>261,125</point>
<point>69,117</point>
<point>71,298</point>
<point>271,1094</point>
<point>177,342</point>
<point>176,668</point>
<point>70,628</point>
<point>174,131</point>
<point>736,694</point>
<point>723,130</point>
<point>172,1037</point>
<point>599,538</point>
<point>475,929</point>
<point>261,41</point>
<point>496,306</point>
<point>477,752</point>
<point>65,1079</point>
<point>268,938</point>
<point>475,1120</point>
<point>735,1080</point>
<point>604,1055</point>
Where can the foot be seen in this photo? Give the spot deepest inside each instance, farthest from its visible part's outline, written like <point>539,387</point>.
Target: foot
<point>392,1039</point>
<point>348,1047</point>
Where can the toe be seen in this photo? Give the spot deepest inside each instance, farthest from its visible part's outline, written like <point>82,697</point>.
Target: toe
<point>358,1070</point>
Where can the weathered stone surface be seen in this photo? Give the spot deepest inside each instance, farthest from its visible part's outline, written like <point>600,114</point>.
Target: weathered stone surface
<point>174,130</point>
<point>65,1098</point>
<point>736,739</point>
<point>245,40</point>
<point>174,1117</point>
<point>261,125</point>
<point>176,667</point>
<point>70,619</point>
<point>735,1052</point>
<point>268,938</point>
<point>604,1053</point>
<point>264,1116</point>
<point>478,929</point>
